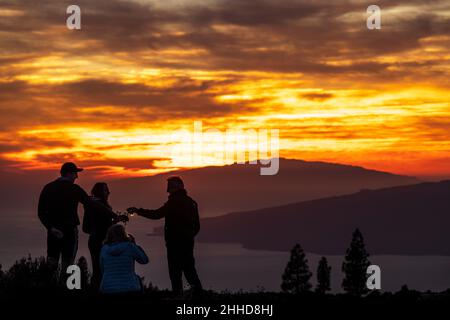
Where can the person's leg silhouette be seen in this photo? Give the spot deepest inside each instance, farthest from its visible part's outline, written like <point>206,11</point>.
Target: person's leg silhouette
<point>54,249</point>
<point>68,251</point>
<point>189,269</point>
<point>95,247</point>
<point>174,261</point>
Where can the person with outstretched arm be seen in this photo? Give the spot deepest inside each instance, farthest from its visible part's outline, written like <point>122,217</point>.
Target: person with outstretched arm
<point>58,212</point>
<point>182,224</point>
<point>96,222</point>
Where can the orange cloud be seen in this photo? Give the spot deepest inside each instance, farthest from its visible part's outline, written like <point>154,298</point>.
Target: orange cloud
<point>112,94</point>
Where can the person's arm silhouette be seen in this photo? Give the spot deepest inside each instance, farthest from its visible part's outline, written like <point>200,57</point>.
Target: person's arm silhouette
<point>196,219</point>
<point>150,214</point>
<point>43,209</point>
<point>139,255</point>
<point>44,214</point>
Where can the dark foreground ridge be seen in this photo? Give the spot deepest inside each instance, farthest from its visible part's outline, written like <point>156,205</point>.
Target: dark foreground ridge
<point>28,288</point>
<point>155,304</point>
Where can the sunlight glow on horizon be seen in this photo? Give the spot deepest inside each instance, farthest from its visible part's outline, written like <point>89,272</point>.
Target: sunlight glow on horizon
<point>112,95</point>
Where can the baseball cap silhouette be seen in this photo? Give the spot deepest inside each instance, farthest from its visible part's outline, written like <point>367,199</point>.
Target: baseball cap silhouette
<point>70,167</point>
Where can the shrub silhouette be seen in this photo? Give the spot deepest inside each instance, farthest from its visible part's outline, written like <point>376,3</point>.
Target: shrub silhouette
<point>355,266</point>
<point>29,274</point>
<point>323,276</point>
<point>296,274</point>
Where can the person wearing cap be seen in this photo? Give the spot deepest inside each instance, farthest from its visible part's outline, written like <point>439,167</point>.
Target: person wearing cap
<point>58,212</point>
<point>182,224</point>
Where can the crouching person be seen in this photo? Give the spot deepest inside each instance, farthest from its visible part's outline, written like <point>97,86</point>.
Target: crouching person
<point>117,262</point>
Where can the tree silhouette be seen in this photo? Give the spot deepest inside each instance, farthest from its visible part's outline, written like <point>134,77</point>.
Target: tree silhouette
<point>323,276</point>
<point>355,266</point>
<point>27,274</point>
<point>296,274</point>
<point>85,276</point>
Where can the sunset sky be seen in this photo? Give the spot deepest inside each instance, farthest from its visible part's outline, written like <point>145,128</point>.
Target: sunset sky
<point>111,96</point>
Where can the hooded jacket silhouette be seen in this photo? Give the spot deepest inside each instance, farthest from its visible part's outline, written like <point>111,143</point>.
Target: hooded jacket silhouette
<point>182,222</point>
<point>117,262</point>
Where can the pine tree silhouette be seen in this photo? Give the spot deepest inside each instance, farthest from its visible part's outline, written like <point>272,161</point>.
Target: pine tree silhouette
<point>296,274</point>
<point>355,266</point>
<point>323,276</point>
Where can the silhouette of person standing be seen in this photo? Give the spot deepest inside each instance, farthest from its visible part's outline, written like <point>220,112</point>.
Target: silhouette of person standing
<point>57,210</point>
<point>181,226</point>
<point>96,222</point>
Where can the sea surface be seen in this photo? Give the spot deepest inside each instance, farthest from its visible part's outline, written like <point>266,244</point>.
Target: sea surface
<point>227,266</point>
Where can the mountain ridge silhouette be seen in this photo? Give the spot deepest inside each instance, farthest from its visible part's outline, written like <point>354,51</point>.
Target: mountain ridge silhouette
<point>223,189</point>
<point>401,220</point>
